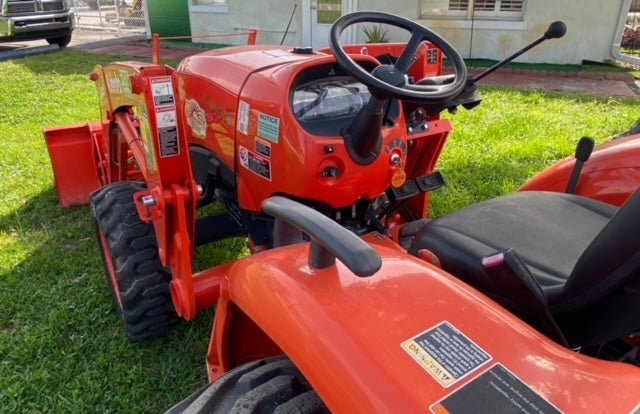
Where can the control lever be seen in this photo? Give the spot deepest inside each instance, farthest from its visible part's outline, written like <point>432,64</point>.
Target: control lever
<point>583,152</point>
<point>555,31</point>
<point>468,97</point>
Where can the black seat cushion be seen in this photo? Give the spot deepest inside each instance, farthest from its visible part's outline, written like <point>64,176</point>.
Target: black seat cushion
<point>550,231</point>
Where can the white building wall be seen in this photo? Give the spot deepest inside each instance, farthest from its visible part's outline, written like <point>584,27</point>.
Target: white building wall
<point>270,18</point>
<point>591,29</point>
<point>592,26</point>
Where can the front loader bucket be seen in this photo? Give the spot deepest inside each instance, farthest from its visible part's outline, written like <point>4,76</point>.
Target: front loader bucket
<point>73,158</point>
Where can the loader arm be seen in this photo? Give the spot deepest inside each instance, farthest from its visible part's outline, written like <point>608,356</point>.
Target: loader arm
<point>142,137</point>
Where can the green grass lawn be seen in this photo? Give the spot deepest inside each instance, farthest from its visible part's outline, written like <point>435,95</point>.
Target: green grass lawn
<point>61,347</point>
<point>586,66</point>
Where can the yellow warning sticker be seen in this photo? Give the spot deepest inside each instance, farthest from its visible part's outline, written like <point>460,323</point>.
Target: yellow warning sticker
<point>446,353</point>
<point>429,363</point>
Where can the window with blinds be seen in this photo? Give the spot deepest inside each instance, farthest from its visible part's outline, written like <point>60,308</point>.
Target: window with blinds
<point>473,9</point>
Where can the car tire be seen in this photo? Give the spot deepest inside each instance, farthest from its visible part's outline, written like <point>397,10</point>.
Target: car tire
<point>61,41</point>
<point>138,281</point>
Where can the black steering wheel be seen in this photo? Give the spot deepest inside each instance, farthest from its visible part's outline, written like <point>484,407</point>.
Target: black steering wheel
<point>389,81</point>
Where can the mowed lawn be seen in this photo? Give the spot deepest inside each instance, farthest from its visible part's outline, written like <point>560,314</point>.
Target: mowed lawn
<point>61,346</point>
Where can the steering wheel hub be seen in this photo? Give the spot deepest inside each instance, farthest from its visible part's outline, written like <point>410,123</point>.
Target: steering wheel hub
<point>389,75</point>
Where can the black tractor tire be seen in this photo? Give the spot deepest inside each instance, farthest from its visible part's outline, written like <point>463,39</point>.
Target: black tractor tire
<point>271,385</point>
<point>61,41</point>
<point>138,281</point>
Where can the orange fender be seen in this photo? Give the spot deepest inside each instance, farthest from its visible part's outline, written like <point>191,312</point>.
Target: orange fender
<point>363,343</point>
<point>610,175</point>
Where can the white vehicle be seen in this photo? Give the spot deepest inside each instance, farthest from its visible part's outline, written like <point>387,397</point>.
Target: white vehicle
<point>52,20</point>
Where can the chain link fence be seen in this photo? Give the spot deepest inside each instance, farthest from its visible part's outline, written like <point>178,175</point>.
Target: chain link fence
<point>121,16</point>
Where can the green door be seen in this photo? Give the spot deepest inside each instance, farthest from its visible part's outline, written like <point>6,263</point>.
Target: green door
<point>169,17</point>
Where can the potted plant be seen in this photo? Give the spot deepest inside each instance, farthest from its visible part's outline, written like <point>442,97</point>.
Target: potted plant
<point>376,34</point>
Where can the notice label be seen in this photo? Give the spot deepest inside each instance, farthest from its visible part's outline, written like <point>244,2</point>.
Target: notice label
<point>495,391</point>
<point>446,353</point>
<point>268,127</point>
<point>255,162</point>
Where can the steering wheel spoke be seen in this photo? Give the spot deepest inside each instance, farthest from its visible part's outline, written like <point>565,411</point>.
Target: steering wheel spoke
<point>407,58</point>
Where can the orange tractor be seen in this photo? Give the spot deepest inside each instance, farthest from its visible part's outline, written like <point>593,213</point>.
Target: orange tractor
<point>353,301</point>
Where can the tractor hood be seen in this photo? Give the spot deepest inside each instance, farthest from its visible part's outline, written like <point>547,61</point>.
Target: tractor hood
<point>273,116</point>
<point>231,66</point>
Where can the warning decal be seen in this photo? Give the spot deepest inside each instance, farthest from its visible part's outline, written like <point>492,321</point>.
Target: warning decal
<point>495,391</point>
<point>243,117</point>
<point>165,112</point>
<point>263,147</point>
<point>162,90</point>
<point>446,353</point>
<point>255,162</point>
<point>167,131</point>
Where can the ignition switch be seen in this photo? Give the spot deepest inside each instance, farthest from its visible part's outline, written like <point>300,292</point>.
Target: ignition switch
<point>396,160</point>
<point>399,176</point>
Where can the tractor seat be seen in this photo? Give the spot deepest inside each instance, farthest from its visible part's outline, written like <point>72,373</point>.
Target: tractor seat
<point>584,255</point>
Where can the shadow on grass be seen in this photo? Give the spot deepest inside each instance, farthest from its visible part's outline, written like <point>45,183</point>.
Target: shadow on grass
<point>40,203</point>
<point>62,345</point>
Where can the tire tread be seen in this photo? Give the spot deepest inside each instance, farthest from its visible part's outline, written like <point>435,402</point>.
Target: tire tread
<point>271,385</point>
<point>146,310</point>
